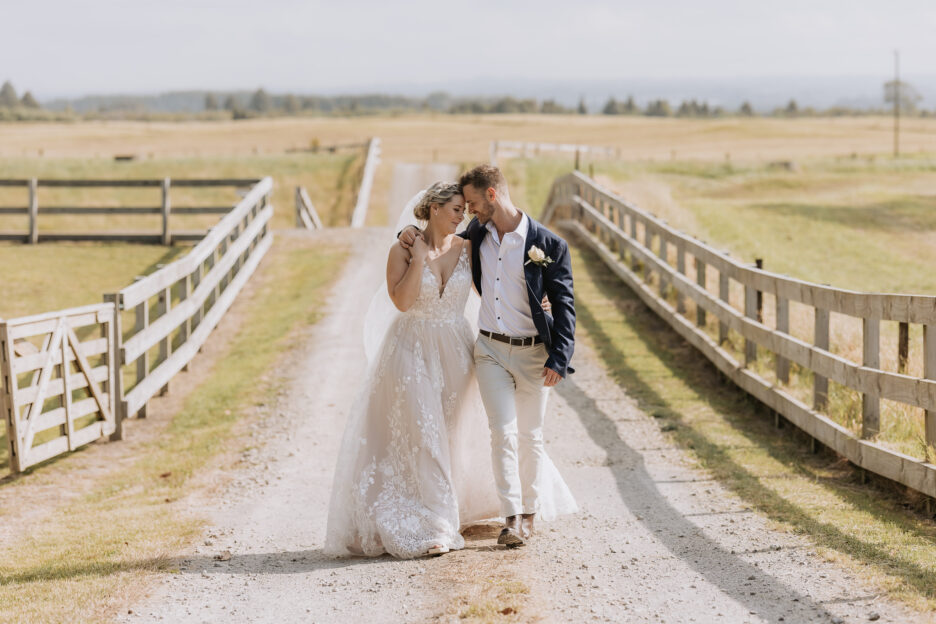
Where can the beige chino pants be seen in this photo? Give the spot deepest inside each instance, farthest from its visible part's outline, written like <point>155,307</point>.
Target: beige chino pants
<point>511,383</point>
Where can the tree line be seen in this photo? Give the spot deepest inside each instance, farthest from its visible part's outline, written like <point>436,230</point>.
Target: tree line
<point>260,103</point>
<point>9,98</point>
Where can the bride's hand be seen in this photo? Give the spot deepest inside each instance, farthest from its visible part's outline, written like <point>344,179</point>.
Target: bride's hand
<point>409,234</point>
<point>547,307</point>
<point>419,250</point>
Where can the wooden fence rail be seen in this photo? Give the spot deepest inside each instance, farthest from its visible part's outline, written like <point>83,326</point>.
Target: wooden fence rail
<point>526,149</point>
<point>359,216</point>
<point>306,215</point>
<point>165,208</point>
<point>189,298</point>
<point>613,228</point>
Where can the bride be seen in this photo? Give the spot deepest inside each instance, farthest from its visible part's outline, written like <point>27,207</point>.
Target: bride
<point>415,461</point>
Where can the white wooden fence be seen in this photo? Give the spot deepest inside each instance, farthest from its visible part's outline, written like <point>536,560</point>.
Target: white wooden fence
<point>651,258</point>
<point>165,236</point>
<point>189,297</point>
<point>359,216</point>
<point>306,215</point>
<point>61,395</point>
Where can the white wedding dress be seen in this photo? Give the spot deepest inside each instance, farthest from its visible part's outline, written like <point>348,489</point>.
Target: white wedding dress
<point>415,461</point>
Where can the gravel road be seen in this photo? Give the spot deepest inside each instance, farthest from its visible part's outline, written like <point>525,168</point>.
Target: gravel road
<point>657,540</point>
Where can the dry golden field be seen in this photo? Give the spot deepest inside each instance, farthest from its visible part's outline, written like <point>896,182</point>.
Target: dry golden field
<point>465,139</point>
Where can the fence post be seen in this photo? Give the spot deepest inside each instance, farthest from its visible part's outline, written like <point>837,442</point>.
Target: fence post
<point>163,305</point>
<point>33,211</point>
<point>166,208</point>
<point>700,280</point>
<point>681,269</point>
<point>648,244</point>
<point>664,256</point>
<point>196,280</point>
<point>820,383</point>
<point>783,325</point>
<point>723,292</point>
<point>142,368</point>
<point>929,372</point>
<point>8,397</point>
<point>299,221</point>
<point>903,347</point>
<point>750,311</point>
<point>871,402</point>
<point>635,264</point>
<point>113,356</point>
<point>185,330</point>
<point>759,263</point>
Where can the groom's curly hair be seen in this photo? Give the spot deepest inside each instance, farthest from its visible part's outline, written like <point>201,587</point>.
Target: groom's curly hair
<point>484,177</point>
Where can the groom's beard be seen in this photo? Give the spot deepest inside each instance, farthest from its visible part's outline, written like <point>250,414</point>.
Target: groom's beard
<point>484,215</point>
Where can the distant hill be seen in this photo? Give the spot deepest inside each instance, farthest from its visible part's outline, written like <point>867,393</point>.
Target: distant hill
<point>765,94</point>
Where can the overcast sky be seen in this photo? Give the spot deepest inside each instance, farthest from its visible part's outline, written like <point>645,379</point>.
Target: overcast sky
<point>67,47</point>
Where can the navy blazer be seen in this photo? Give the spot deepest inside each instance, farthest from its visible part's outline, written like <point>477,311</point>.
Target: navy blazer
<point>557,330</point>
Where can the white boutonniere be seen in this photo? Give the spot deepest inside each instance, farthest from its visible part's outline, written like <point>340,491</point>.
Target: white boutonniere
<point>538,257</point>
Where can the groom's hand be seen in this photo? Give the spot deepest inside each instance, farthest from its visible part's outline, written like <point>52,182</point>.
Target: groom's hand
<point>408,236</point>
<point>550,377</point>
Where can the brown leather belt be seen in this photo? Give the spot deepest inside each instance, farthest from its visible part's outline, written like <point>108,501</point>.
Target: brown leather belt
<point>514,342</point>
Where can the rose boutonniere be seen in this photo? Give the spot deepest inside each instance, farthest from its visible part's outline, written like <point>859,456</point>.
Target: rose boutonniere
<point>538,257</point>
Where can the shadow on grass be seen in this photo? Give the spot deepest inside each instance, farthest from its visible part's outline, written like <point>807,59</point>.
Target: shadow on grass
<point>745,416</point>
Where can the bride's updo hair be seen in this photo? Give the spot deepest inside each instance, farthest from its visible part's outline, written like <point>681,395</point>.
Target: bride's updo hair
<point>439,193</point>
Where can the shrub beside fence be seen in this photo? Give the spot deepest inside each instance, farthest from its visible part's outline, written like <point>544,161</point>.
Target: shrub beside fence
<point>45,368</point>
<point>652,259</point>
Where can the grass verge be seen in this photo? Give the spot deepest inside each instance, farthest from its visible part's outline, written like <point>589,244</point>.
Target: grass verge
<point>865,527</point>
<point>80,563</point>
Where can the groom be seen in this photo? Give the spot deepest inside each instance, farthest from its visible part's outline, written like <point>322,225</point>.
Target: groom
<point>523,350</point>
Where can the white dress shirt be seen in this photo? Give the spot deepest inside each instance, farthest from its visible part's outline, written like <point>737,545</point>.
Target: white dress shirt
<point>505,305</point>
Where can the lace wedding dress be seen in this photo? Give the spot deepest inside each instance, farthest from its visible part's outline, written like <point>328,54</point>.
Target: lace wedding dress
<point>415,460</point>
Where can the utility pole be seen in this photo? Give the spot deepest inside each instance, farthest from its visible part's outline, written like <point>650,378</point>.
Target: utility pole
<point>896,103</point>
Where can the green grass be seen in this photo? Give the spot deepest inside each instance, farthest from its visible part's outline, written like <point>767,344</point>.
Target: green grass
<point>79,563</point>
<point>54,276</point>
<point>859,224</point>
<point>863,224</point>
<point>330,179</point>
<point>867,528</point>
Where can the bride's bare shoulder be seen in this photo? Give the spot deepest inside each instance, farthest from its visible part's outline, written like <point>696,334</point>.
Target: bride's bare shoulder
<point>398,254</point>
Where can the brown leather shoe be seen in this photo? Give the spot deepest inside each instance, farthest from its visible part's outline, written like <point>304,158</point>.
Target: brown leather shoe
<point>510,534</point>
<point>526,525</point>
